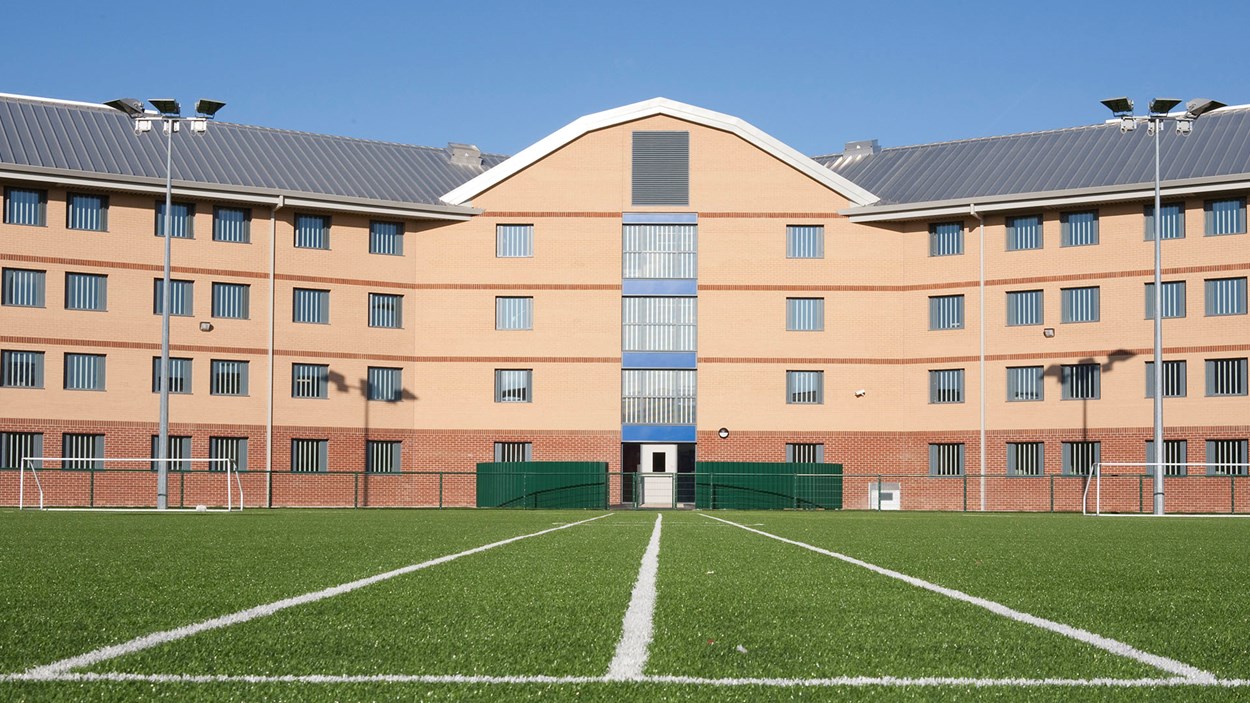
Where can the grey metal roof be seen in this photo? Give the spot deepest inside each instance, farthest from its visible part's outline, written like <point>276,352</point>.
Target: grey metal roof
<point>1091,157</point>
<point>94,140</point>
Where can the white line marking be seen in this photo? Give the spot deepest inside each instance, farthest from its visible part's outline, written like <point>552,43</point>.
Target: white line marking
<point>634,648</point>
<point>1106,643</point>
<point>55,669</point>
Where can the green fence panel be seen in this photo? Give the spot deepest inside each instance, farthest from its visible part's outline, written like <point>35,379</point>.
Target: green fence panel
<point>542,484</point>
<point>740,485</point>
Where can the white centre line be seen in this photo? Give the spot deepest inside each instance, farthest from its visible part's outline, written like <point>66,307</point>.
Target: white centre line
<point>1116,647</point>
<point>57,669</point>
<point>636,630</point>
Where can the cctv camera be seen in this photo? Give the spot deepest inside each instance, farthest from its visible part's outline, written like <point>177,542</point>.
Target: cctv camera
<point>861,393</point>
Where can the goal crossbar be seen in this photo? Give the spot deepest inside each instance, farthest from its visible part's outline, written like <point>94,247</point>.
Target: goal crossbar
<point>1095,476</point>
<point>229,469</point>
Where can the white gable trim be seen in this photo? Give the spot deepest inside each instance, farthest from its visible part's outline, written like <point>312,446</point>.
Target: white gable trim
<point>658,106</point>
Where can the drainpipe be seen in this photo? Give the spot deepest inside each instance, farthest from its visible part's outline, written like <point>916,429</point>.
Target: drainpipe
<point>273,257</point>
<point>972,209</point>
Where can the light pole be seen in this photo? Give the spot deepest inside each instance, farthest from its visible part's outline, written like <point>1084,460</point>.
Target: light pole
<point>169,114</point>
<point>1159,113</point>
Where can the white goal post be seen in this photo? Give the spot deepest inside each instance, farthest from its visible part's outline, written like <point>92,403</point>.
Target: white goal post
<point>1146,470</point>
<point>36,464</point>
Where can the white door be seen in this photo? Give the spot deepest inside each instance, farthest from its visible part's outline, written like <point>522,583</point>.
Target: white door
<point>657,471</point>
<point>884,496</point>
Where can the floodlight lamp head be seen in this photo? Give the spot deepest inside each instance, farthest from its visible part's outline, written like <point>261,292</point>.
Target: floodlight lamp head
<point>1127,124</point>
<point>1200,106</point>
<point>131,107</point>
<point>1184,127</point>
<point>207,108</point>
<point>142,126</point>
<point>1162,106</point>
<point>1119,106</point>
<point>199,125</point>
<point>166,106</point>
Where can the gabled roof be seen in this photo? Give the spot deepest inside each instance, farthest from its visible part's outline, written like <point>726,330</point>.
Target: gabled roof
<point>1057,163</point>
<point>62,137</point>
<point>658,106</point>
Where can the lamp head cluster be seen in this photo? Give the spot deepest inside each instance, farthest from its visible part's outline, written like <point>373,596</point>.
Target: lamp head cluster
<point>168,111</point>
<point>1160,110</point>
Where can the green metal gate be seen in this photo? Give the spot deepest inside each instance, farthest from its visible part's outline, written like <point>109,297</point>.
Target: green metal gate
<point>542,484</point>
<point>740,485</point>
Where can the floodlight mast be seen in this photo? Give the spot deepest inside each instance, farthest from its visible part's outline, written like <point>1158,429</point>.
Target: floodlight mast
<point>1160,112</point>
<point>169,115</point>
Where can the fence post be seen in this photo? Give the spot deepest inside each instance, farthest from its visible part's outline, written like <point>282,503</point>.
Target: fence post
<point>1052,493</point>
<point>1141,493</point>
<point>440,490</point>
<point>879,508</point>
<point>355,489</point>
<point>1232,494</point>
<point>711,491</point>
<point>182,488</point>
<point>91,490</point>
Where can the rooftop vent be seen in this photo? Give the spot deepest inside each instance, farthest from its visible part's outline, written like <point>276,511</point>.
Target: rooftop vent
<point>464,154</point>
<point>868,147</point>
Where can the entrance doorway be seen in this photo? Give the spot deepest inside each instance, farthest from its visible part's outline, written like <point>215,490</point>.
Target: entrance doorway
<point>657,475</point>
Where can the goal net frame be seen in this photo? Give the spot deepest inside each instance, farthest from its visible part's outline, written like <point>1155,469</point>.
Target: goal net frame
<point>28,464</point>
<point>1095,476</point>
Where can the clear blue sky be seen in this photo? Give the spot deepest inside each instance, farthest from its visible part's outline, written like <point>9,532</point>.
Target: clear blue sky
<point>504,74</point>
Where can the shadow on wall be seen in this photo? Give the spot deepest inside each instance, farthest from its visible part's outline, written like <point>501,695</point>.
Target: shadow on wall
<point>1059,371</point>
<point>341,385</point>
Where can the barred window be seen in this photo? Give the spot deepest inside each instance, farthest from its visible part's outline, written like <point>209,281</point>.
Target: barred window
<point>1227,456</point>
<point>232,224</point>
<point>514,451</point>
<point>383,456</point>
<point>229,377</point>
<point>946,239</point>
<point>1226,296</point>
<point>310,455</point>
<point>23,288</point>
<point>514,385</point>
<point>514,313</point>
<point>84,372</point>
<point>179,448</point>
<point>1226,216</point>
<point>1024,232</point>
<point>181,295</point>
<point>1175,456</point>
<point>87,212</point>
<point>946,386</point>
<point>179,375</point>
<point>805,387</point>
<point>82,452</point>
<point>312,231</point>
<point>386,384</point>
<point>658,397</point>
<point>23,206</point>
<point>181,220</point>
<point>1226,377</point>
<point>946,312</point>
<point>805,453</point>
<point>1024,307</point>
<point>17,447</point>
<point>1026,458</point>
<point>1171,224</point>
<point>21,369</point>
<point>1174,382</point>
<point>514,241</point>
<point>946,459</point>
<point>659,324</point>
<point>232,448</point>
<point>386,310</point>
<point>86,291</point>
<point>1024,383</point>
<point>805,314</point>
<point>1078,229</point>
<point>805,242</point>
<point>1080,304</point>
<point>232,300</point>
<point>1081,381</point>
<point>310,380</point>
<point>1079,458</point>
<point>660,251</point>
<point>312,306</point>
<point>386,238</point>
<point>1173,293</point>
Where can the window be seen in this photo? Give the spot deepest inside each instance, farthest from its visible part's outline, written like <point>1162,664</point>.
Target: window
<point>22,369</point>
<point>1079,304</point>
<point>1226,377</point>
<point>179,448</point>
<point>1228,456</point>
<point>1081,381</point>
<point>1024,232</point>
<point>231,300</point>
<point>514,451</point>
<point>946,239</point>
<point>1026,458</point>
<point>1173,299</point>
<point>1226,296</point>
<point>23,288</point>
<point>312,232</point>
<point>81,452</point>
<point>386,310</point>
<point>661,168</point>
<point>386,384</point>
<point>232,224</point>
<point>1175,455</point>
<point>1174,374</point>
<point>946,459</point>
<point>228,377</point>
<point>312,306</point>
<point>946,386</point>
<point>1078,229</point>
<point>658,397</point>
<point>23,206</point>
<point>805,242</point>
<point>84,372</point>
<point>181,295</point>
<point>514,241</point>
<point>1024,383</point>
<point>232,448</point>
<point>660,251</point>
<point>386,238</point>
<point>514,313</point>
<point>179,375</point>
<point>805,314</point>
<point>1172,223</point>
<point>86,291</point>
<point>310,380</point>
<point>514,385</point>
<point>659,324</point>
<point>946,312</point>
<point>1024,307</point>
<point>310,455</point>
<point>1224,217</point>
<point>382,456</point>
<point>16,447</point>
<point>182,216</point>
<point>87,212</point>
<point>805,453</point>
<point>1079,457</point>
<point>805,387</point>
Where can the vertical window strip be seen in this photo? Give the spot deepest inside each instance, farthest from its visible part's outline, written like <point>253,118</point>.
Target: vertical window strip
<point>1228,457</point>
<point>386,238</point>
<point>24,287</point>
<point>309,380</point>
<point>1025,458</point>
<point>1225,216</point>
<point>946,386</point>
<point>1079,458</point>
<point>386,310</point>
<point>1171,224</point>
<point>1079,229</point>
<point>1024,232</point>
<point>660,251</point>
<point>1080,304</point>
<point>22,369</point>
<point>232,224</point>
<point>179,375</point>
<point>658,397</point>
<point>382,456</point>
<point>511,452</point>
<point>1174,379</point>
<point>309,455</point>
<point>1226,377</point>
<point>312,232</point>
<point>514,385</point>
<point>84,372</point>
<point>659,324</point>
<point>805,453</point>
<point>86,291</point>
<point>87,212</point>
<point>946,459</point>
<point>514,313</point>
<point>1024,383</point>
<point>232,448</point>
<point>946,312</point>
<point>231,300</point>
<point>181,295</point>
<point>23,206</point>
<point>1173,294</point>
<point>514,241</point>
<point>17,447</point>
<point>805,314</point>
<point>1081,381</point>
<point>385,384</point>
<point>229,377</point>
<point>82,452</point>
<point>1225,296</point>
<point>1024,307</point>
<point>182,215</point>
<point>946,239</point>
<point>805,242</point>
<point>312,306</point>
<point>179,447</point>
<point>805,387</point>
<point>1175,456</point>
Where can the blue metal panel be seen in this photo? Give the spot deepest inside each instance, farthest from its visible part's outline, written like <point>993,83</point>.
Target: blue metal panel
<point>659,286</point>
<point>658,433</point>
<point>658,360</point>
<point>659,218</point>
